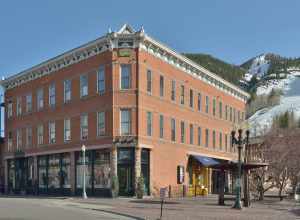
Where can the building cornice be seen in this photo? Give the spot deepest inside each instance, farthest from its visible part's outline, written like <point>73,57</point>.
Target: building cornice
<point>126,37</point>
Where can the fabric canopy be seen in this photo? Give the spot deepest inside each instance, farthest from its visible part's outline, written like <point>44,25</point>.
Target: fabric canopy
<point>205,161</point>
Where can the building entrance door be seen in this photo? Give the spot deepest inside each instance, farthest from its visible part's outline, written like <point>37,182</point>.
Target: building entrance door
<point>125,175</point>
<point>20,175</point>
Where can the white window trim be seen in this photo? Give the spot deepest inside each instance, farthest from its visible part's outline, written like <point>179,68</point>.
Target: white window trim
<point>98,73</point>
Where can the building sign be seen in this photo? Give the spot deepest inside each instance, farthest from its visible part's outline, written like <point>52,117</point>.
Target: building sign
<point>180,174</point>
<point>125,52</point>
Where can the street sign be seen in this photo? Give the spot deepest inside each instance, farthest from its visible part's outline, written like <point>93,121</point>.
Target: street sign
<point>163,193</point>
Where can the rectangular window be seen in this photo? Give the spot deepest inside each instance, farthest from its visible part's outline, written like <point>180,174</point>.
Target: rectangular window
<point>67,129</point>
<point>9,109</point>
<point>182,129</point>
<point>29,103</point>
<point>243,116</point>
<point>149,81</point>
<point>19,139</point>
<point>52,95</point>
<point>199,136</point>
<point>220,109</point>
<point>214,139</point>
<point>125,122</point>
<point>9,141</point>
<point>234,115</point>
<point>67,90</point>
<point>101,123</point>
<point>101,80</point>
<point>19,106</point>
<point>206,104</point>
<point>40,134</point>
<point>239,117</point>
<point>221,140</point>
<point>28,137</point>
<point>226,142</point>
<point>52,137</point>
<point>173,90</point>
<point>182,94</point>
<point>226,112</point>
<point>173,129</point>
<point>191,134</point>
<point>161,86</point>
<point>206,138</point>
<point>125,76</point>
<point>230,114</point>
<point>84,131</point>
<point>214,107</point>
<point>161,126</point>
<point>199,101</point>
<point>84,86</point>
<point>149,123</point>
<point>40,99</point>
<point>191,98</point>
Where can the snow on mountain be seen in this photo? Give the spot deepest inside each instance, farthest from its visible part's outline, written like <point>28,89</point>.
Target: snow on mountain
<point>259,67</point>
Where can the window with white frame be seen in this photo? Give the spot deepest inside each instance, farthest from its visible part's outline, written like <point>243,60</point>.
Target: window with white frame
<point>125,122</point>
<point>226,142</point>
<point>191,134</point>
<point>182,94</point>
<point>182,129</point>
<point>83,85</point>
<point>206,138</point>
<point>52,138</point>
<point>67,129</point>
<point>214,139</point>
<point>28,137</point>
<point>84,131</point>
<point>149,81</point>
<point>40,134</point>
<point>9,109</point>
<point>206,104</point>
<point>101,123</point>
<point>226,112</point>
<point>67,90</point>
<point>220,109</point>
<point>161,126</point>
<point>10,141</point>
<point>221,140</point>
<point>125,76</point>
<point>214,107</point>
<point>52,95</point>
<point>19,139</point>
<point>191,98</point>
<point>173,90</point>
<point>28,102</point>
<point>161,86</point>
<point>199,101</point>
<point>199,136</point>
<point>101,80</point>
<point>40,99</point>
<point>19,106</point>
<point>149,123</point>
<point>173,129</point>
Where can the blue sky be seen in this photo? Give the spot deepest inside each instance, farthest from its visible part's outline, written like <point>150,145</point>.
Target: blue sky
<point>233,30</point>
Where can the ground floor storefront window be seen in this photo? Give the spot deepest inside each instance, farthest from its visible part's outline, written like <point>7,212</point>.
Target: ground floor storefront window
<point>145,169</point>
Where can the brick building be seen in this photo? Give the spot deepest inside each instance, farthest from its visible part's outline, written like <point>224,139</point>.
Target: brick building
<point>139,107</point>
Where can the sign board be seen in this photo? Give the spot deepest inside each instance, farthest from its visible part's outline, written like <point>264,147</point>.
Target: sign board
<point>163,193</point>
<point>124,52</point>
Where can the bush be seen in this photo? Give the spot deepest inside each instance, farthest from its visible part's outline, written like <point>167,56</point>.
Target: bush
<point>115,187</point>
<point>140,187</point>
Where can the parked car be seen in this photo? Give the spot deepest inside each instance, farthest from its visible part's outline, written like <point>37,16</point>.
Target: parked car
<point>297,193</point>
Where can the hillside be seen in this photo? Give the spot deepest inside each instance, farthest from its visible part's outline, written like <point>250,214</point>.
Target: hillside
<point>225,70</point>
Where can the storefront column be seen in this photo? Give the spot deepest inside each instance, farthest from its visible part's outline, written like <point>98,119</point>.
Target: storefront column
<point>72,174</point>
<point>113,162</point>
<point>35,174</point>
<point>6,176</point>
<point>209,180</point>
<point>137,166</point>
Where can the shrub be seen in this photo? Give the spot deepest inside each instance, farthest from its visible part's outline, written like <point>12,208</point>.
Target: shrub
<point>140,187</point>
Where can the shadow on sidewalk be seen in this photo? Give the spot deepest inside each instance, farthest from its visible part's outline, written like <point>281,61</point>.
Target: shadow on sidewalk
<point>154,202</point>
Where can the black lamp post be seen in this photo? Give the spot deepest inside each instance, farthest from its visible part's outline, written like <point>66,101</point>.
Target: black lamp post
<point>239,141</point>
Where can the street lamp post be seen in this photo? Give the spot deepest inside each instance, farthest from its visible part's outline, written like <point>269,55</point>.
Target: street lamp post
<point>239,141</point>
<point>84,196</point>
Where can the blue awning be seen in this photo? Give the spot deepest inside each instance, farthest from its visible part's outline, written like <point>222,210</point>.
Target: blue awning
<point>205,161</point>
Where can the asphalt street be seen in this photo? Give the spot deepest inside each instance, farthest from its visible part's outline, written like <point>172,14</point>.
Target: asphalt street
<point>52,209</point>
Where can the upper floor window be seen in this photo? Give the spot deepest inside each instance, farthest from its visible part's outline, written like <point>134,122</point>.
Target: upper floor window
<point>206,104</point>
<point>52,136</point>
<point>83,85</point>
<point>226,142</point>
<point>9,109</point>
<point>67,90</point>
<point>101,123</point>
<point>221,140</point>
<point>161,126</point>
<point>10,141</point>
<point>101,80</point>
<point>149,123</point>
<point>182,94</point>
<point>214,107</point>
<point>226,112</point>
<point>206,137</point>
<point>19,105</point>
<point>191,98</point>
<point>84,126</point>
<point>52,95</point>
<point>173,129</point>
<point>173,90</point>
<point>149,81</point>
<point>214,139</point>
<point>40,134</point>
<point>29,103</point>
<point>29,137</point>
<point>199,101</point>
<point>40,99</point>
<point>220,109</point>
<point>191,134</point>
<point>230,114</point>
<point>239,116</point>
<point>199,136</point>
<point>234,115</point>
<point>67,129</point>
<point>161,86</point>
<point>125,76</point>
<point>19,139</point>
<point>125,122</point>
<point>182,129</point>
